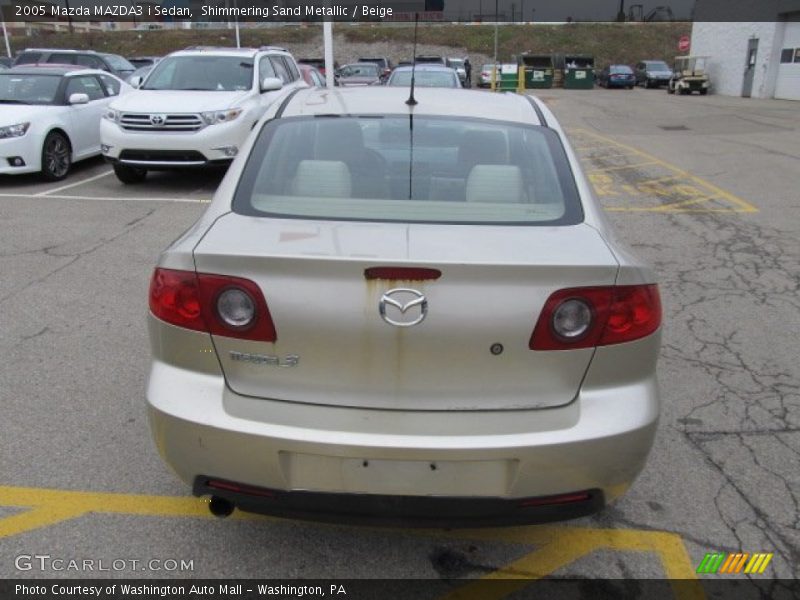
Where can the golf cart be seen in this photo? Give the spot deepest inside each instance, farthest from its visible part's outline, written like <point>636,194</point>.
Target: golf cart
<point>689,75</point>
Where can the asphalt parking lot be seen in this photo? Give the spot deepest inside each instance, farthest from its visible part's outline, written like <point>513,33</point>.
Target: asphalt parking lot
<point>705,188</point>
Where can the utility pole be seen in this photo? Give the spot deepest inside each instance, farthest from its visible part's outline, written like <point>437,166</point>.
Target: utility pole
<point>5,35</point>
<point>494,70</point>
<point>69,18</point>
<point>621,13</point>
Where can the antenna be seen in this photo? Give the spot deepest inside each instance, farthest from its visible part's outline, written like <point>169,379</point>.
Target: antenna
<point>411,100</point>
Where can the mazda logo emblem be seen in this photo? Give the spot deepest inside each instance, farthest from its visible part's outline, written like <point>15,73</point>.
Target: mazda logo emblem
<point>407,307</point>
<point>158,120</point>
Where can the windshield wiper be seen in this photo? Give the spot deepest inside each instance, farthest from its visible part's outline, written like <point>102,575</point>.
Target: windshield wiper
<point>10,101</point>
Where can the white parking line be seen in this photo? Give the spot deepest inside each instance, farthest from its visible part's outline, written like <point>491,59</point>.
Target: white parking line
<point>69,185</point>
<point>109,199</point>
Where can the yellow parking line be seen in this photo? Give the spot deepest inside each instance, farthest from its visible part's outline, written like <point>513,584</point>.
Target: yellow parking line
<point>556,546</point>
<point>743,205</point>
<point>607,155</point>
<point>643,164</point>
<point>53,506</point>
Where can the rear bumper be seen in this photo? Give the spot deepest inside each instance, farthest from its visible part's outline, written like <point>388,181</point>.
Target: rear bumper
<point>421,511</point>
<point>415,461</point>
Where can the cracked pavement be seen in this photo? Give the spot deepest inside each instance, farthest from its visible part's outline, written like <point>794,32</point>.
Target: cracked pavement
<point>725,469</point>
<point>724,473</point>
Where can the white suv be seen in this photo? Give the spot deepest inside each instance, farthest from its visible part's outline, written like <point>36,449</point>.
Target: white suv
<point>195,109</point>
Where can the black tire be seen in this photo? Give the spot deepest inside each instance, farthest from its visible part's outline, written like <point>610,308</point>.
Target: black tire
<point>703,92</point>
<point>129,175</point>
<point>56,156</point>
<point>670,89</point>
<point>630,87</point>
<point>647,84</point>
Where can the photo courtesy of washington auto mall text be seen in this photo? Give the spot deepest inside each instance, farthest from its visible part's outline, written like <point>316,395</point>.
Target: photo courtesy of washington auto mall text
<point>195,591</point>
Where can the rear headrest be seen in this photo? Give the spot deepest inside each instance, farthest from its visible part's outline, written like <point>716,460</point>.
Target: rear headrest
<point>482,147</point>
<point>495,183</point>
<point>322,179</point>
<point>337,139</point>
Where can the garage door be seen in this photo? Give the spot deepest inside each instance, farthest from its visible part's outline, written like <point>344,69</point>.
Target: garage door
<point>788,83</point>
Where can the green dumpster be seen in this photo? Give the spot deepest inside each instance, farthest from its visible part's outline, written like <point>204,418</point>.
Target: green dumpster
<point>538,70</point>
<point>509,77</point>
<point>579,72</point>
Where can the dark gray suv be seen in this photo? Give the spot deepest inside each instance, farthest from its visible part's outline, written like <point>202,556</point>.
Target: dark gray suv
<point>113,63</point>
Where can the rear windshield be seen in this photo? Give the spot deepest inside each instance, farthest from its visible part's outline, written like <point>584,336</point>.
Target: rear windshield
<point>621,69</point>
<point>118,63</point>
<point>393,168</point>
<point>657,66</point>
<point>360,70</point>
<point>424,79</point>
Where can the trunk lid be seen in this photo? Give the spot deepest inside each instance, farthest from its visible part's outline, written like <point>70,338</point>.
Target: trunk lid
<point>495,281</point>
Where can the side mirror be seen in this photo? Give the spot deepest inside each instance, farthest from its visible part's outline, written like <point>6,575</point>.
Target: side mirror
<point>79,99</point>
<point>135,81</point>
<point>271,84</point>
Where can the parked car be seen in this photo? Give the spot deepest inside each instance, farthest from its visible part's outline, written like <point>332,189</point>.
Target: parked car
<point>652,73</point>
<point>425,76</point>
<point>317,63</point>
<point>485,76</point>
<point>195,109</point>
<point>144,61</point>
<point>50,117</point>
<point>417,320</point>
<point>431,60</point>
<point>88,59</point>
<point>383,63</point>
<point>458,65</point>
<point>689,75</point>
<point>358,74</point>
<point>312,76</point>
<point>616,76</point>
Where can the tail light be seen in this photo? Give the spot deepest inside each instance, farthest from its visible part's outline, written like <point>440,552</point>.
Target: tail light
<point>217,304</point>
<point>597,316</point>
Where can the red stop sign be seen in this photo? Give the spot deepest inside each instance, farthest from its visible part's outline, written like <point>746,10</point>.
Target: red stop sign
<point>684,43</point>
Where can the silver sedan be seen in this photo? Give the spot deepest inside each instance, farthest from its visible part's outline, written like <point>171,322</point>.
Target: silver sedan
<point>404,312</point>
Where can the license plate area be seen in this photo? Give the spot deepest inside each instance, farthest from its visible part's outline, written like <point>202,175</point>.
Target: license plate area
<point>333,474</point>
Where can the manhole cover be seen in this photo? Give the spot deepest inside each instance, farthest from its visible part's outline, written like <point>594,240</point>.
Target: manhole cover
<point>674,127</point>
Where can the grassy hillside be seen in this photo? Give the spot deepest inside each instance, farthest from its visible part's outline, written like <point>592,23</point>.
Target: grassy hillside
<point>608,42</point>
<point>160,42</point>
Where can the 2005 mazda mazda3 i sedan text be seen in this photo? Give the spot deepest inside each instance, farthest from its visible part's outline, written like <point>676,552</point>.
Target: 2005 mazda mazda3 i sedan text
<point>409,313</point>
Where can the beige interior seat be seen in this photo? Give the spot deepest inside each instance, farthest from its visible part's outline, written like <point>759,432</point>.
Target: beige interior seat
<point>495,183</point>
<point>322,179</point>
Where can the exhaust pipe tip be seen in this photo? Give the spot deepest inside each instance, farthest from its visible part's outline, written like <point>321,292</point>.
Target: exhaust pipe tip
<point>220,507</point>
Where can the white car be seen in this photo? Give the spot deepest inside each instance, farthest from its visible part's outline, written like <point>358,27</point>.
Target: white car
<point>196,108</point>
<point>50,117</point>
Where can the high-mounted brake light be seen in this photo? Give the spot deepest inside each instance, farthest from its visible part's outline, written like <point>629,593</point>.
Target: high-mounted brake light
<point>402,273</point>
<point>597,316</point>
<point>217,304</point>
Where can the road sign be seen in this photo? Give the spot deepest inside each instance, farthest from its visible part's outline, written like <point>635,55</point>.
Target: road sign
<point>684,43</point>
